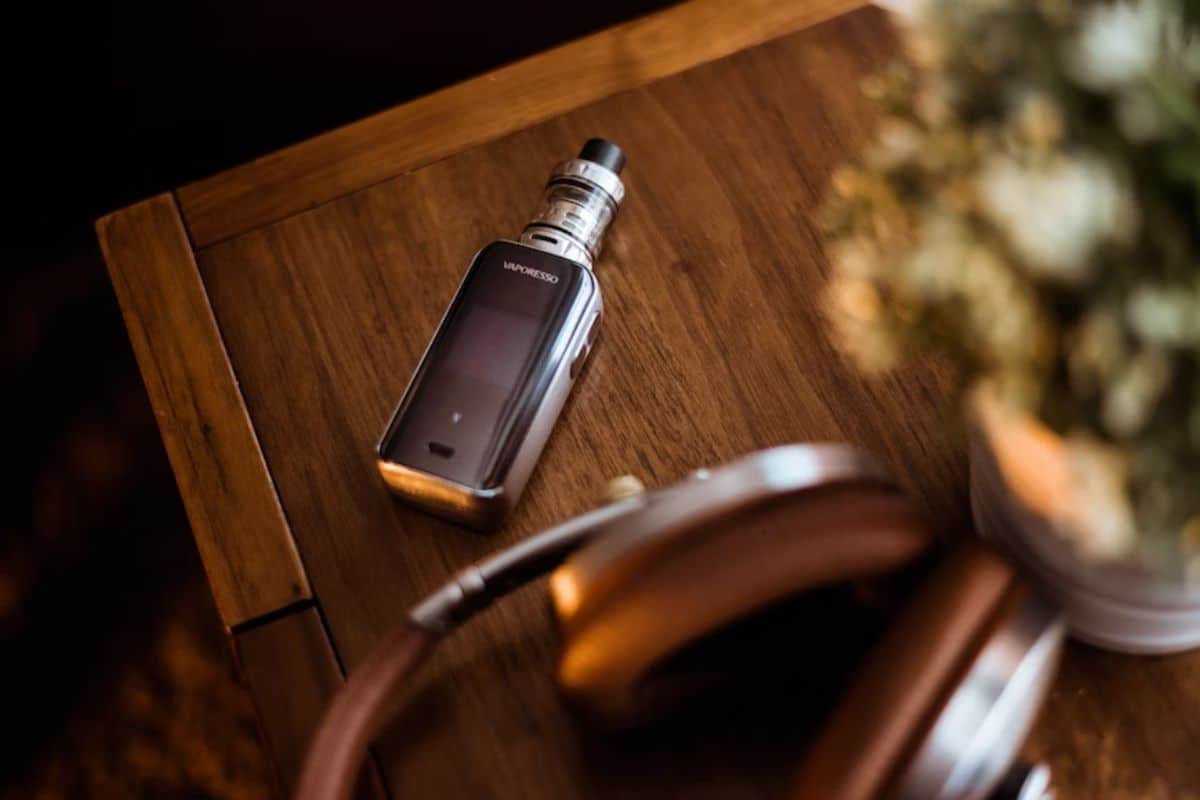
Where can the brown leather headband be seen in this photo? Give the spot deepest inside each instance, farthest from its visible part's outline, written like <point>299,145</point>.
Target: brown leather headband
<point>703,552</point>
<point>363,706</point>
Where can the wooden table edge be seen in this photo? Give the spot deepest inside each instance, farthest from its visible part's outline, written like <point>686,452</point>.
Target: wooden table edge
<point>487,107</point>
<point>243,536</point>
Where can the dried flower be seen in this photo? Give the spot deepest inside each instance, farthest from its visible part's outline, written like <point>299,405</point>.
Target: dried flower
<point>1101,520</point>
<point>1056,214</point>
<point>1030,208</point>
<point>1040,121</point>
<point>1117,43</point>
<point>1165,316</point>
<point>1130,398</point>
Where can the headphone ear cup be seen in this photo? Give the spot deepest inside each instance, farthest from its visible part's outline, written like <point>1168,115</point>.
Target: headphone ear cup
<point>634,612</point>
<point>958,675</point>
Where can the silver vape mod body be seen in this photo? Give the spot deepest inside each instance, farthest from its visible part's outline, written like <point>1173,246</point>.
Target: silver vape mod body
<point>484,399</point>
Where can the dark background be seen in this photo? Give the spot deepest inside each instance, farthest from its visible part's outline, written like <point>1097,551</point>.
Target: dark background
<point>115,670</point>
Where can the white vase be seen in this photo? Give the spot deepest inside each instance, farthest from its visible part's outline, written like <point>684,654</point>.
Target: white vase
<point>1110,604</point>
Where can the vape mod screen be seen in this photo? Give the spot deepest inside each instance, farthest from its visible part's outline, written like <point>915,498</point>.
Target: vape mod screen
<point>491,345</point>
<point>502,340</point>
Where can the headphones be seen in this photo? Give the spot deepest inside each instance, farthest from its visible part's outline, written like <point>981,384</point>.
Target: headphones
<point>938,709</point>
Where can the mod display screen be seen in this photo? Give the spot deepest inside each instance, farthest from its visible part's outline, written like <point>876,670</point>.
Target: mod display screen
<point>490,344</point>
<point>483,377</point>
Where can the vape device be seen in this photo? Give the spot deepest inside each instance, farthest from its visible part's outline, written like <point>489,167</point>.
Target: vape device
<point>484,398</point>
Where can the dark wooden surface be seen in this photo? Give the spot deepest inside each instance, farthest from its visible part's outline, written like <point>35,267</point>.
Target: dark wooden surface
<point>713,345</point>
<point>209,439</point>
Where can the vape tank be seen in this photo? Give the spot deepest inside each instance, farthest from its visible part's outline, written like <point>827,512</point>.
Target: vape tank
<point>482,402</point>
<point>580,201</point>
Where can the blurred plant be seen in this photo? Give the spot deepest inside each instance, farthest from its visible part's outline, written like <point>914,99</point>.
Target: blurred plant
<point>1030,205</point>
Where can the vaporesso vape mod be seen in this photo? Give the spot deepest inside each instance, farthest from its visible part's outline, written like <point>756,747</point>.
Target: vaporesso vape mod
<point>484,398</point>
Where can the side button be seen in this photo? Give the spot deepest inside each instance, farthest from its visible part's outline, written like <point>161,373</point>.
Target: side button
<point>592,326</point>
<point>580,357</point>
<point>585,347</point>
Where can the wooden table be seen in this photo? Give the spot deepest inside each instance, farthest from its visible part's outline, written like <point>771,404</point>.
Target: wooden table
<point>278,309</point>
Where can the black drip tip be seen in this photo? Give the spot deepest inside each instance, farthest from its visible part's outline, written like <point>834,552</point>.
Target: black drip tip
<point>604,153</point>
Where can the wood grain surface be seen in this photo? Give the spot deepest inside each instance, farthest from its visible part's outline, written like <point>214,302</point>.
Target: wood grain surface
<point>714,345</point>
<point>1122,727</point>
<point>243,537</point>
<point>483,108</point>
